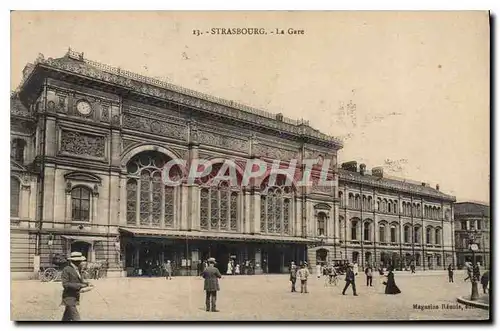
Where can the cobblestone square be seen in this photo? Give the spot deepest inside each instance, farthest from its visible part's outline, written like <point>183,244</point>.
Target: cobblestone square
<point>251,298</point>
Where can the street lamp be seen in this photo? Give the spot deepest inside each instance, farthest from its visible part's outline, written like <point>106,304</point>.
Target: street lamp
<point>473,236</point>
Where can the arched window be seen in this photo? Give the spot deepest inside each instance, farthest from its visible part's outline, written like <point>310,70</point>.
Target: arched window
<point>438,215</point>
<point>351,200</point>
<point>370,203</point>
<point>417,260</point>
<point>379,204</point>
<point>321,224</point>
<point>406,230</point>
<point>14,196</point>
<point>17,150</point>
<point>437,236</point>
<point>384,206</point>
<point>416,237</point>
<point>149,201</point>
<point>354,229</point>
<point>341,199</point>
<point>366,231</point>
<point>80,204</point>
<point>357,202</point>
<point>389,207</point>
<point>393,234</point>
<point>428,235</point>
<point>365,204</point>
<point>276,206</point>
<point>381,230</point>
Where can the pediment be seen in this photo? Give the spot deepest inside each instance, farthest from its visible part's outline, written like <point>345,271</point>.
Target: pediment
<point>322,206</point>
<point>82,176</point>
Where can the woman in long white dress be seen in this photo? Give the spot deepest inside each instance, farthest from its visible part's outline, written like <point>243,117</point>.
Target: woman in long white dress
<point>318,270</point>
<point>229,268</point>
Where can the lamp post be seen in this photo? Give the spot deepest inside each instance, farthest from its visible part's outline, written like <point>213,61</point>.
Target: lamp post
<point>473,236</point>
<point>50,243</point>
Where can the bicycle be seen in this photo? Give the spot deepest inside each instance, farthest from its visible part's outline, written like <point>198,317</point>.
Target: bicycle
<point>50,275</point>
<point>331,280</point>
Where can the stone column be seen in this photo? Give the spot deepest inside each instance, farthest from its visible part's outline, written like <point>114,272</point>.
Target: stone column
<point>51,137</point>
<point>255,221</point>
<point>247,206</point>
<point>258,261</point>
<point>122,218</point>
<point>48,199</point>
<point>184,207</point>
<point>298,217</point>
<point>114,194</point>
<point>194,211</point>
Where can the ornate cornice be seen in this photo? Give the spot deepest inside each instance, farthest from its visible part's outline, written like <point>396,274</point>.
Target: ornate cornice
<point>75,63</point>
<point>399,186</point>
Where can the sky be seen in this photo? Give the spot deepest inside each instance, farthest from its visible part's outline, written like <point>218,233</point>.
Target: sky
<point>417,82</point>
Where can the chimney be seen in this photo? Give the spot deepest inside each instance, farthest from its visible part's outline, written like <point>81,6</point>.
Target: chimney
<point>437,187</point>
<point>350,166</point>
<point>362,169</point>
<point>279,117</point>
<point>378,172</point>
<point>424,184</point>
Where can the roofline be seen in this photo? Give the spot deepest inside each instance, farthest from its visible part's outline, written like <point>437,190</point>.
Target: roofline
<point>301,126</point>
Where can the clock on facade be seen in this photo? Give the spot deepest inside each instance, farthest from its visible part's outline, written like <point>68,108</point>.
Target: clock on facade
<point>83,107</point>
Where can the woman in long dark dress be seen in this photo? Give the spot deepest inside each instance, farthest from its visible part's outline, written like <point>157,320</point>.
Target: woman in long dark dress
<point>390,285</point>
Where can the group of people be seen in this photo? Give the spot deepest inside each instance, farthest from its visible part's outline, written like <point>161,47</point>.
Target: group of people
<point>302,273</point>
<point>246,268</point>
<point>472,272</point>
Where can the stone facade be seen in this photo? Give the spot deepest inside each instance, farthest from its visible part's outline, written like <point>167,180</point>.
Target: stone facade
<point>471,217</point>
<point>88,144</point>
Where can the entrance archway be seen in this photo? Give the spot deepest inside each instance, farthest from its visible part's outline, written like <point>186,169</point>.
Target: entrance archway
<point>321,256</point>
<point>82,247</point>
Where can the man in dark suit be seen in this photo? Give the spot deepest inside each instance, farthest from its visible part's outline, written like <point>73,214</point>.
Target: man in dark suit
<point>350,280</point>
<point>72,283</point>
<point>211,275</point>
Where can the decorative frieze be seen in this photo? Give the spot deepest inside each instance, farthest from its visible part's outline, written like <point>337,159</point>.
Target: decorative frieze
<point>79,143</point>
<point>218,140</point>
<point>274,152</point>
<point>105,113</point>
<point>145,124</point>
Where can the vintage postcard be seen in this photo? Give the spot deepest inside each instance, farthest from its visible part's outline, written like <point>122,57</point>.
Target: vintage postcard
<point>255,166</point>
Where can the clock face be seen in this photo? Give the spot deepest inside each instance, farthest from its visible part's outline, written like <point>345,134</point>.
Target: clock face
<point>83,107</point>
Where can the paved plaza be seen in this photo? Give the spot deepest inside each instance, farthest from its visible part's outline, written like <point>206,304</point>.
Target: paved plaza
<point>260,297</point>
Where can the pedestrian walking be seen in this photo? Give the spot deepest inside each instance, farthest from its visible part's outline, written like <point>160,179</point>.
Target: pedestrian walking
<point>72,283</point>
<point>168,270</point>
<point>476,272</point>
<point>303,274</point>
<point>390,284</point>
<point>412,268</point>
<point>229,270</point>
<point>468,271</point>
<point>369,276</point>
<point>450,273</point>
<point>318,270</point>
<point>485,279</point>
<point>293,275</point>
<point>211,285</point>
<point>237,269</point>
<point>350,280</point>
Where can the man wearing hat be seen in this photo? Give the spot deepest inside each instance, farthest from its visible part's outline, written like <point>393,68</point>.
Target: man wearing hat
<point>211,275</point>
<point>350,279</point>
<point>72,283</point>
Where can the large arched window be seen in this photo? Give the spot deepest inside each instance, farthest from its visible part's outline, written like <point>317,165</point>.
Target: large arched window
<point>428,235</point>
<point>219,203</point>
<point>14,196</point>
<point>354,229</point>
<point>366,231</point>
<point>276,206</point>
<point>406,230</point>
<point>17,150</point>
<point>437,236</point>
<point>80,204</point>
<point>417,234</point>
<point>381,234</point>
<point>394,236</point>
<point>149,201</point>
